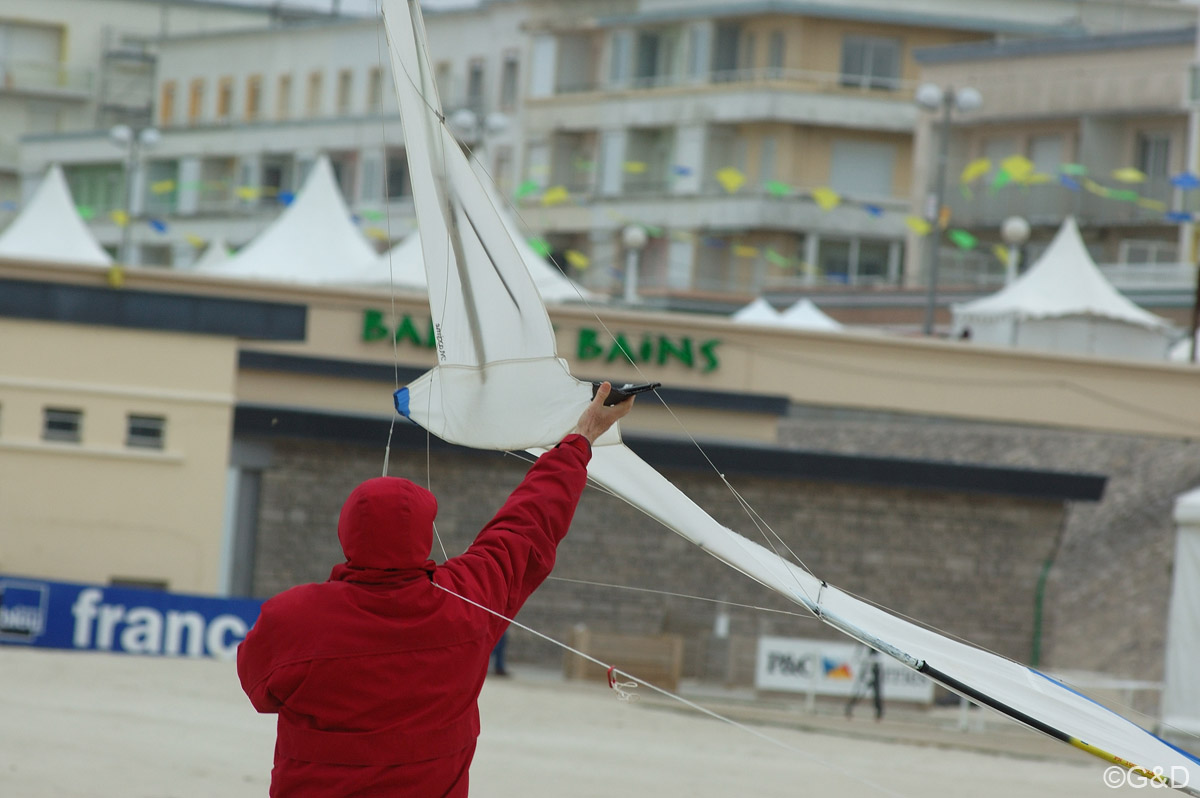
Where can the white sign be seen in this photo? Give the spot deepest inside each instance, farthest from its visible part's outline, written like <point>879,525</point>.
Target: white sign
<point>822,667</point>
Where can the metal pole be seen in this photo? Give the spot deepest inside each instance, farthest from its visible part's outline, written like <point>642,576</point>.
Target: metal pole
<point>127,229</point>
<point>631,274</point>
<point>940,195</point>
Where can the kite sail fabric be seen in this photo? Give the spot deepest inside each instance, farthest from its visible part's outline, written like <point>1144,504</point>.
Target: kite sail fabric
<point>499,384</point>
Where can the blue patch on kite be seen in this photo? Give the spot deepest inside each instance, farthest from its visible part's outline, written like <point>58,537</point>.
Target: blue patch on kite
<point>400,399</point>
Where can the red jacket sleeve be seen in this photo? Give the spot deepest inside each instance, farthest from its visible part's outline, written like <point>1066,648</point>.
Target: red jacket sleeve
<point>515,551</point>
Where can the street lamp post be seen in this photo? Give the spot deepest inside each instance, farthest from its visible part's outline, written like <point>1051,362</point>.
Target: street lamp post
<point>1015,232</point>
<point>634,238</point>
<point>134,140</point>
<point>932,97</point>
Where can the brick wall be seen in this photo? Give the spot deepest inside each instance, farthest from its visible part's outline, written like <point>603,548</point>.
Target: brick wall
<point>1110,586</point>
<point>964,563</point>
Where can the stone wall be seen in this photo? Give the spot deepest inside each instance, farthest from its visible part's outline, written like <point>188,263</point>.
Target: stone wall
<point>967,564</point>
<point>1110,585</point>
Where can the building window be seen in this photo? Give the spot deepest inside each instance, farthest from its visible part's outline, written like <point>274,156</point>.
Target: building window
<point>871,62</point>
<point>312,104</point>
<point>862,168</point>
<point>345,87</point>
<point>475,85</point>
<point>508,82</point>
<point>375,90</point>
<point>224,99</point>
<point>166,104</point>
<point>98,187</point>
<point>443,78</point>
<point>64,425</point>
<point>283,97</point>
<point>398,185</point>
<point>195,100</point>
<point>775,54</point>
<point>1154,154</point>
<point>145,432</point>
<point>253,97</point>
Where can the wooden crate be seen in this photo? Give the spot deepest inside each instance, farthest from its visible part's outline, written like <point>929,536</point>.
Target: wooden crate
<point>657,659</point>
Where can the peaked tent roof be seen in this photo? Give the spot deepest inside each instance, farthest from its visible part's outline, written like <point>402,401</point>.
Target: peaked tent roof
<point>216,253</point>
<point>807,316</point>
<point>49,227</point>
<point>1063,282</point>
<point>312,241</point>
<point>760,311</point>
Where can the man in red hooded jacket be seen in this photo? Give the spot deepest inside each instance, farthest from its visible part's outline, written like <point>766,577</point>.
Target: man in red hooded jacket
<point>375,674</point>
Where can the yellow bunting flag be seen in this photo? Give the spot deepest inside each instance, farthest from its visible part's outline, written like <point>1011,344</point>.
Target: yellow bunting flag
<point>944,217</point>
<point>975,170</point>
<point>1001,253</point>
<point>918,225</point>
<point>635,167</point>
<point>195,240</point>
<point>826,197</point>
<point>376,233</point>
<point>577,259</point>
<point>743,251</point>
<point>1040,178</point>
<point>1152,204</point>
<point>730,179</point>
<point>115,277</point>
<point>120,218</point>
<point>162,187</point>
<point>1019,167</point>
<point>247,193</point>
<point>1095,188</point>
<point>555,195</point>
<point>1129,175</point>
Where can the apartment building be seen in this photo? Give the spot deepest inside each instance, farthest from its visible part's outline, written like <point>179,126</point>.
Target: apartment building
<point>1105,127</point>
<point>767,146</point>
<point>85,64</point>
<point>241,115</point>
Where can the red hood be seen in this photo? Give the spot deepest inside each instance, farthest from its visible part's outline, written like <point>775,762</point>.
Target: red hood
<point>387,524</point>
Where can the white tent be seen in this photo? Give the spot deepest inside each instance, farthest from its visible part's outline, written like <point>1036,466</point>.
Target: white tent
<point>312,241</point>
<point>806,315</point>
<point>49,228</point>
<point>216,253</point>
<point>406,265</point>
<point>1064,304</point>
<point>1181,693</point>
<point>760,311</point>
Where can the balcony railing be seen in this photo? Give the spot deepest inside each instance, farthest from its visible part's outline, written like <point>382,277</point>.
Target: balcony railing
<point>36,76</point>
<point>1052,201</point>
<point>795,79</point>
<point>1150,276</point>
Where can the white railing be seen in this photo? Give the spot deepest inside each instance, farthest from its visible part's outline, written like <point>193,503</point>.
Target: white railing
<point>42,76</point>
<point>795,79</point>
<point>1172,276</point>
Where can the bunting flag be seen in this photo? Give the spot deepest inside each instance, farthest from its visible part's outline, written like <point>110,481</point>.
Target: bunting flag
<point>775,259</point>
<point>730,179</point>
<point>944,214</point>
<point>540,245</point>
<point>526,188</point>
<point>1095,188</point>
<point>777,188</point>
<point>1073,169</point>
<point>962,239</point>
<point>873,210</point>
<point>1000,253</point>
<point>635,167</point>
<point>1129,175</point>
<point>373,215</point>
<point>826,198</point>
<point>157,225</point>
<point>248,193</point>
<point>376,234</point>
<point>680,170</point>
<point>115,276</point>
<point>975,170</point>
<point>1072,184</point>
<point>162,187</point>
<point>1183,217</point>
<point>1186,181</point>
<point>286,197</point>
<point>1124,195</point>
<point>1152,204</point>
<point>577,259</point>
<point>1002,179</point>
<point>918,225</point>
<point>1018,167</point>
<point>120,218</point>
<point>86,212</point>
<point>195,240</point>
<point>555,195</point>
<point>744,251</point>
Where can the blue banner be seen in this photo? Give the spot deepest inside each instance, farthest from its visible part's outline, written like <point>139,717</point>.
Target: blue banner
<point>34,612</point>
